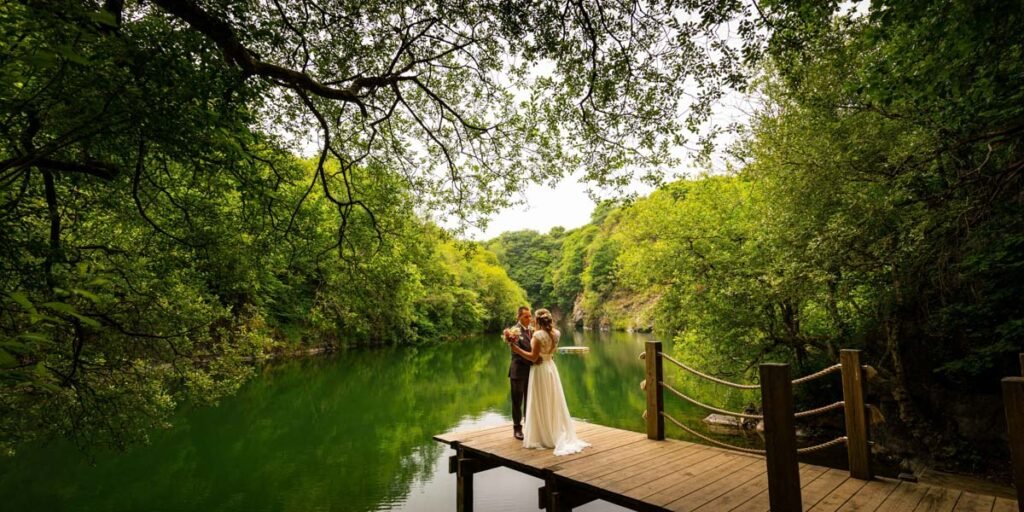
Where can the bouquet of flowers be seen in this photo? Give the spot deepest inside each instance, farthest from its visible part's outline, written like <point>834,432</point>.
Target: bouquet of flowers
<point>511,334</point>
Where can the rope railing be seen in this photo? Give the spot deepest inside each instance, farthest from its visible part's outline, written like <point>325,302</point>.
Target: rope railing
<point>802,451</point>
<point>800,414</point>
<point>834,368</point>
<point>710,407</point>
<point>806,378</point>
<point>710,439</point>
<point>706,376</point>
<point>822,446</point>
<point>778,416</point>
<point>811,412</point>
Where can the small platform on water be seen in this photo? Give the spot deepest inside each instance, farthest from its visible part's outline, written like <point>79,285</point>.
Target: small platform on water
<point>573,349</point>
<point>628,469</point>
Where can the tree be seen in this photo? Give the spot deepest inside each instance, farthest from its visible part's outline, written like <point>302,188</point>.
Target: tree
<point>157,228</point>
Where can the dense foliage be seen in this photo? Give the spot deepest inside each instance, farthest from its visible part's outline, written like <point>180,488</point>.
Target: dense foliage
<point>876,203</point>
<point>157,230</point>
<point>138,322</point>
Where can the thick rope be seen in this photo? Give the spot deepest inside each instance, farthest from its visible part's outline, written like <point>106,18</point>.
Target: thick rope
<point>710,440</point>
<point>822,373</point>
<point>822,446</point>
<point>708,377</point>
<point>819,410</point>
<point>711,408</point>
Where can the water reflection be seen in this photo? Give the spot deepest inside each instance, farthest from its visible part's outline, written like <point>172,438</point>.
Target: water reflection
<point>348,432</point>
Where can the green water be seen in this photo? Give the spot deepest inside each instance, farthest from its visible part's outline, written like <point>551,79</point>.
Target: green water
<point>350,431</point>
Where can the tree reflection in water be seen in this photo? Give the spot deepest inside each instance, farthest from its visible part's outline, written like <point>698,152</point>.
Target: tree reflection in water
<point>346,432</point>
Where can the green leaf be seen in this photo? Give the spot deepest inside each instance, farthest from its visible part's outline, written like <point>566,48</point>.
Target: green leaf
<point>68,309</point>
<point>61,307</point>
<point>104,17</point>
<point>70,54</point>
<point>42,372</point>
<point>99,281</point>
<point>22,301</point>
<point>87,294</point>
<point>41,59</point>
<point>7,360</point>
<point>14,346</point>
<point>35,318</point>
<point>34,336</point>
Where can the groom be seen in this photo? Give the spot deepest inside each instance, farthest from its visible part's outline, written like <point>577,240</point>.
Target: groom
<point>519,372</point>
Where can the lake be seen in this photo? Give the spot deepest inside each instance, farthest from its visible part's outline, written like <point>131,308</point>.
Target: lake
<point>349,431</point>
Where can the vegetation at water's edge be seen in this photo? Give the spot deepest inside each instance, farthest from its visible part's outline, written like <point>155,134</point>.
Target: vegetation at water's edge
<point>157,229</point>
<point>231,291</point>
<point>876,204</point>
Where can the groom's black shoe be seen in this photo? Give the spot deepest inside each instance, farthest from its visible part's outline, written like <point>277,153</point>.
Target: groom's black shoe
<point>518,434</point>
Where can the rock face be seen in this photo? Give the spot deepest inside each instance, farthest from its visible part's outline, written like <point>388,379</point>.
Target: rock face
<point>578,315</point>
<point>619,310</point>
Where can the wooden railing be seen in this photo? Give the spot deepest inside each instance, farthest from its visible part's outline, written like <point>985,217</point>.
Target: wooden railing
<point>1013,401</point>
<point>779,418</point>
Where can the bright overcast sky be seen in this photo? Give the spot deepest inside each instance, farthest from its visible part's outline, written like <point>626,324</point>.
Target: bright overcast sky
<point>565,205</point>
<point>568,205</point>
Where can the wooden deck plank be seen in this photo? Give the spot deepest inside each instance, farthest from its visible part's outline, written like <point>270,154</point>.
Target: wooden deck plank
<point>641,450</point>
<point>485,437</point>
<point>598,446</point>
<point>544,457</point>
<point>971,502</point>
<point>822,487</point>
<point>938,499</point>
<point>627,468</point>
<point>839,496</point>
<point>516,447</point>
<point>658,485</point>
<point>906,496</point>
<point>636,475</point>
<point>870,496</point>
<point>718,488</point>
<point>760,502</point>
<point>736,498</point>
<point>450,437</point>
<point>739,495</point>
<point>1004,505</point>
<point>670,488</point>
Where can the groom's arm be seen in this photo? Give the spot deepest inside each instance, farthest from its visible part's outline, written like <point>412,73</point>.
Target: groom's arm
<point>524,343</point>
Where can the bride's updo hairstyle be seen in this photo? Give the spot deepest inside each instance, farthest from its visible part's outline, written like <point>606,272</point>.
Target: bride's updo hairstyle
<point>545,322</point>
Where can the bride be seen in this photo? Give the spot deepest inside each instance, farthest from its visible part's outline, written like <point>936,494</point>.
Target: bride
<point>548,424</point>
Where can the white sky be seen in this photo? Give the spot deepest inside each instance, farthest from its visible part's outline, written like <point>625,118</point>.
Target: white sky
<point>566,205</point>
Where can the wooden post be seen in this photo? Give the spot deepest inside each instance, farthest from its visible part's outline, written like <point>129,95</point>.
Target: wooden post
<point>857,448</point>
<point>554,497</point>
<point>780,438</point>
<point>655,396</point>
<point>1021,355</point>
<point>1013,401</point>
<point>464,483</point>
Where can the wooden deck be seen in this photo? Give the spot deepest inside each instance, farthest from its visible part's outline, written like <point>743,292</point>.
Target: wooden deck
<point>628,469</point>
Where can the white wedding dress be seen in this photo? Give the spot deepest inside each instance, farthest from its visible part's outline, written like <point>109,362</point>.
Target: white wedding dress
<point>548,424</point>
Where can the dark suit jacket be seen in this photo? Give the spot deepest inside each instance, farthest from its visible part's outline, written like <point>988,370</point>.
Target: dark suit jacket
<point>520,367</point>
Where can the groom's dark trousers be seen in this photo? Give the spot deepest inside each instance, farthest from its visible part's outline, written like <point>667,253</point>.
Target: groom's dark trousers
<point>519,378</point>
